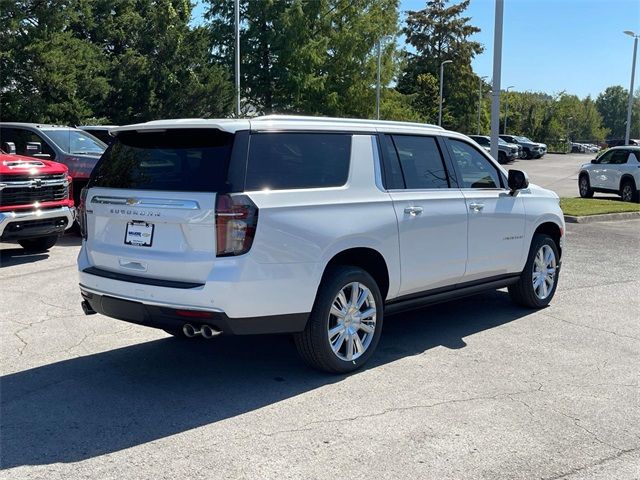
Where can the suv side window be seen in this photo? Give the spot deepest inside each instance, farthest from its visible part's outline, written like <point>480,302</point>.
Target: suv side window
<point>605,159</point>
<point>619,157</point>
<point>474,168</point>
<point>20,137</point>
<point>279,161</point>
<point>421,162</point>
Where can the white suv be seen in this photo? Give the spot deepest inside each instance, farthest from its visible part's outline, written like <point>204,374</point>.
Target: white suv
<point>311,226</point>
<point>615,171</point>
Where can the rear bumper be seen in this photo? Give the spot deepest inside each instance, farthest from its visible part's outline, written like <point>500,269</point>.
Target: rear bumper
<point>167,316</point>
<point>35,223</point>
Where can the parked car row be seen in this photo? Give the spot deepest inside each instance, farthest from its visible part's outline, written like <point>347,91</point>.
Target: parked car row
<point>73,147</point>
<point>507,152</point>
<point>584,147</point>
<point>530,148</point>
<point>43,169</point>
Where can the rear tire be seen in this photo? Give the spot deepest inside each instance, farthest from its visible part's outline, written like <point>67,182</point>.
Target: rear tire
<point>584,186</point>
<point>36,245</point>
<point>329,342</point>
<point>628,191</point>
<point>539,279</point>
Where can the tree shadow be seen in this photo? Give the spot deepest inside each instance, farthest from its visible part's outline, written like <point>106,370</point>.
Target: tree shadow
<point>88,406</point>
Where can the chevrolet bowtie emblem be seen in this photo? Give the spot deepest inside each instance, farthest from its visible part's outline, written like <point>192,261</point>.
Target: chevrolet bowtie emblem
<point>37,183</point>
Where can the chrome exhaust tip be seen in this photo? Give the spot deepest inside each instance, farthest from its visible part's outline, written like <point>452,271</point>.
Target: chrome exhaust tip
<point>209,332</point>
<point>190,331</point>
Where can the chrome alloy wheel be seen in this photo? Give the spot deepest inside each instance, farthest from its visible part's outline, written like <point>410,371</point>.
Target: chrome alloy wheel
<point>544,272</point>
<point>627,193</point>
<point>352,321</point>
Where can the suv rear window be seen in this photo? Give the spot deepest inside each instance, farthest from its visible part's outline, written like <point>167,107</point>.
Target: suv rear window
<point>280,161</point>
<point>175,160</point>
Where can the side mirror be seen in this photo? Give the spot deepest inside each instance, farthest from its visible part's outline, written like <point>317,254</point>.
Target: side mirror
<point>33,148</point>
<point>517,180</point>
<point>9,147</point>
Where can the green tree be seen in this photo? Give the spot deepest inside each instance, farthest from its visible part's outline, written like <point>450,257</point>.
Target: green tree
<point>159,66</point>
<point>612,105</point>
<point>314,57</point>
<point>48,73</point>
<point>440,32</point>
<point>120,61</point>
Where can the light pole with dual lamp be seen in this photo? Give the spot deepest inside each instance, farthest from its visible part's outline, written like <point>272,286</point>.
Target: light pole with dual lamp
<point>633,74</point>
<point>441,83</point>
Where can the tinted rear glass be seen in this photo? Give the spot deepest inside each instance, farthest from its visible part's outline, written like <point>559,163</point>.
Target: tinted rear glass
<point>175,160</point>
<point>297,160</point>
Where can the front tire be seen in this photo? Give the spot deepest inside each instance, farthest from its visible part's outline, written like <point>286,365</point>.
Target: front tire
<point>584,186</point>
<point>345,324</point>
<point>37,245</point>
<point>539,279</point>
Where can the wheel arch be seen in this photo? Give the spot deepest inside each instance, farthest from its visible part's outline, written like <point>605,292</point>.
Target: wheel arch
<point>553,230</point>
<point>369,259</point>
<point>625,177</point>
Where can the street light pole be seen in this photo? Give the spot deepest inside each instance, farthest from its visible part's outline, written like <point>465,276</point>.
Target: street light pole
<point>441,85</point>
<point>497,70</point>
<point>237,54</point>
<point>480,100</point>
<point>378,81</point>
<point>506,109</point>
<point>633,74</point>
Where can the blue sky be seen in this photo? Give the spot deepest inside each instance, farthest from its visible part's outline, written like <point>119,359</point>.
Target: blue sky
<point>555,45</point>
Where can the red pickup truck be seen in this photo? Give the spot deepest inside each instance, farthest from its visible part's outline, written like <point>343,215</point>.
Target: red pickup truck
<point>36,201</point>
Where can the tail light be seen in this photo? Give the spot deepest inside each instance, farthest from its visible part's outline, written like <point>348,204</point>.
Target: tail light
<point>236,221</point>
<point>70,187</point>
<point>82,213</point>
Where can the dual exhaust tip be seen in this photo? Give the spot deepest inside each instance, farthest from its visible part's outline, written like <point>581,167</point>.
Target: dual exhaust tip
<point>206,331</point>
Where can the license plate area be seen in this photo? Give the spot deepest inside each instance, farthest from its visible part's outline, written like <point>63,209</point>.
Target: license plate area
<point>139,234</point>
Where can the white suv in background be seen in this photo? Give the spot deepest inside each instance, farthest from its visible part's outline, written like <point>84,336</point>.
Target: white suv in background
<point>312,226</point>
<point>615,171</point>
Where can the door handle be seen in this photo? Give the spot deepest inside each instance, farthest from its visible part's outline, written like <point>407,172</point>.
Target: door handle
<point>413,211</point>
<point>476,207</point>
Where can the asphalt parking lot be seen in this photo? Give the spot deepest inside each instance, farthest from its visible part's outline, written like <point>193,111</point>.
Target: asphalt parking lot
<point>477,388</point>
<point>555,171</point>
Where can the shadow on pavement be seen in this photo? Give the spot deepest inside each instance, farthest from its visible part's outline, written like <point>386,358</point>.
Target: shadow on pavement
<point>10,257</point>
<point>89,406</point>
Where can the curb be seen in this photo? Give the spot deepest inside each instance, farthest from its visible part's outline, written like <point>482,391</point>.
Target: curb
<point>605,217</point>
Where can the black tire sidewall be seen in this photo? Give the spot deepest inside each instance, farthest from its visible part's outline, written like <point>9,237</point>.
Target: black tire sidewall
<point>334,281</point>
<point>588,193</point>
<point>41,244</point>
<point>538,241</point>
